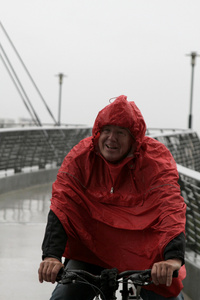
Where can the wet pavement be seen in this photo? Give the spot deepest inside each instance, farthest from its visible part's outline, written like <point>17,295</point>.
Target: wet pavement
<point>23,217</point>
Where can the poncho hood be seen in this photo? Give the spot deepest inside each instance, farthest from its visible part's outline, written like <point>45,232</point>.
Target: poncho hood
<point>121,113</point>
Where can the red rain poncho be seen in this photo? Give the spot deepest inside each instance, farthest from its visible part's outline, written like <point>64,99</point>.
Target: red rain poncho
<point>120,215</point>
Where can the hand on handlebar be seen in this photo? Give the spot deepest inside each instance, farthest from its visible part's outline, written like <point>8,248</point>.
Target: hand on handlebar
<point>162,271</point>
<point>49,269</point>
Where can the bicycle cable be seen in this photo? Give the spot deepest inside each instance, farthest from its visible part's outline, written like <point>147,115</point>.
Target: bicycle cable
<point>93,286</point>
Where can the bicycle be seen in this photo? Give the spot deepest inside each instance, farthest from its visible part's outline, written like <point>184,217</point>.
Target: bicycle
<point>108,282</point>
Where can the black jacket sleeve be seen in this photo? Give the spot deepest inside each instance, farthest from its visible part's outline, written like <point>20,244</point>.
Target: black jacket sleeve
<point>55,238</point>
<point>176,248</point>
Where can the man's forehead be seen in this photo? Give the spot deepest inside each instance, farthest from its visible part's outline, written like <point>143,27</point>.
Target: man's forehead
<point>115,126</point>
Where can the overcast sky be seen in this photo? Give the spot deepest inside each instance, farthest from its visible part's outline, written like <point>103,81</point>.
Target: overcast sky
<point>105,48</point>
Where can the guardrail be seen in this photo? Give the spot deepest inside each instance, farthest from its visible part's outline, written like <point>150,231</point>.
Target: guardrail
<point>184,146</point>
<point>37,147</point>
<point>28,147</point>
<point>190,188</point>
<point>189,181</point>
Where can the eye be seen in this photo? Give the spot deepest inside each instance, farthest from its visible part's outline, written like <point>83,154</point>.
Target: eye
<point>122,132</point>
<point>106,130</point>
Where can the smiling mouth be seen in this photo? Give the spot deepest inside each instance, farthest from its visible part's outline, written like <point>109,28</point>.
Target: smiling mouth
<point>110,147</point>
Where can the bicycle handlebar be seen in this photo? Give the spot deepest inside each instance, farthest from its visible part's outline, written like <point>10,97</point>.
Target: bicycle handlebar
<point>107,283</point>
<point>140,277</point>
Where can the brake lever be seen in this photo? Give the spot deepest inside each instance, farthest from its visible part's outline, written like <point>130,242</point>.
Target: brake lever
<point>144,278</point>
<point>67,277</point>
<point>140,279</point>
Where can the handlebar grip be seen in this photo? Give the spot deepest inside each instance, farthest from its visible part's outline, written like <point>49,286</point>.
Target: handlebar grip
<point>59,275</point>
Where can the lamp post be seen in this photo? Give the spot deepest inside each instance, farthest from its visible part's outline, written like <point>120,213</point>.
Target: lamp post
<point>193,59</point>
<point>60,76</point>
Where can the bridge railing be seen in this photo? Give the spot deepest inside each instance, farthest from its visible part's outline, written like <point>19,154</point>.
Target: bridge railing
<point>33,146</point>
<point>189,181</point>
<point>37,147</point>
<point>185,148</point>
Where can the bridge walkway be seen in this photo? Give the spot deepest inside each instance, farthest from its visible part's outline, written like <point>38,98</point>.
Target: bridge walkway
<point>22,223</point>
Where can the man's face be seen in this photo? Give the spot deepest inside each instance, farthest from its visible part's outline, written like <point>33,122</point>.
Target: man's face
<point>114,143</point>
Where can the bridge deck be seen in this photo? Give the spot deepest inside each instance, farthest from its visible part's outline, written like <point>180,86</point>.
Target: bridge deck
<point>22,224</point>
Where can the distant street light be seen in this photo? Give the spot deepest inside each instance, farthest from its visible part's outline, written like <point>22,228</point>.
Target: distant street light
<point>60,76</point>
<point>193,58</point>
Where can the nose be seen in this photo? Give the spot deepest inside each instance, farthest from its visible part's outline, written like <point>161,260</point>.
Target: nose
<point>112,136</point>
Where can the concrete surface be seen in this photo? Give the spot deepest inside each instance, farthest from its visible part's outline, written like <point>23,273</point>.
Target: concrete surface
<point>23,216</point>
<point>22,224</point>
<point>29,177</point>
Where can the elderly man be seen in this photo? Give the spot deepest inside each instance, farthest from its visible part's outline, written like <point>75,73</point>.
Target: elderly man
<point>116,203</point>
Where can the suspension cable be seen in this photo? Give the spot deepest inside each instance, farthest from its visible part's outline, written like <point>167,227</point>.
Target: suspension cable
<point>17,79</point>
<point>15,84</point>
<point>28,73</point>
